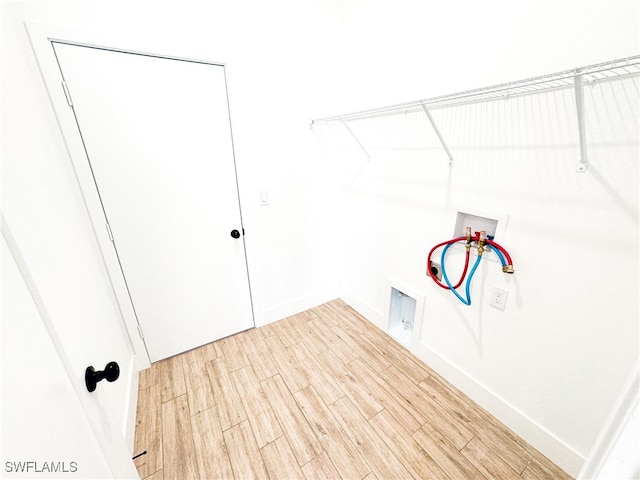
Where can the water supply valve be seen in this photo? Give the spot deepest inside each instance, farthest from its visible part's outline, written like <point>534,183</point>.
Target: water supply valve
<point>483,242</point>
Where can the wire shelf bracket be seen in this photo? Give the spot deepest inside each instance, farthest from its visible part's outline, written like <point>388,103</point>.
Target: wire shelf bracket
<point>578,87</point>
<point>435,129</point>
<point>356,139</point>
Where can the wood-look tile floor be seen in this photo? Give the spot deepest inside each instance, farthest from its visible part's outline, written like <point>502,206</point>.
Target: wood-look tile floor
<point>320,395</point>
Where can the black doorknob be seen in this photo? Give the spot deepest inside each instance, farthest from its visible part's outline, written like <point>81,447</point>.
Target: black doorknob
<point>235,233</point>
<point>110,373</point>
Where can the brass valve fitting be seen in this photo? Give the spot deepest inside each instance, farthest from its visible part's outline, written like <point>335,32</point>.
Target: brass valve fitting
<point>481,239</point>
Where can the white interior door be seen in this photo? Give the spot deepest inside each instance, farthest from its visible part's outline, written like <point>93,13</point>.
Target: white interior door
<point>51,426</point>
<point>157,135</point>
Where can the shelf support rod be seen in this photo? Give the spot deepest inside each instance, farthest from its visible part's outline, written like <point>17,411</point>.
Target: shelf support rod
<point>435,129</point>
<point>578,86</point>
<point>356,139</point>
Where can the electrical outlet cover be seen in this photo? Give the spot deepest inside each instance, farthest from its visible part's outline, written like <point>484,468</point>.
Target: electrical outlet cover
<point>498,298</point>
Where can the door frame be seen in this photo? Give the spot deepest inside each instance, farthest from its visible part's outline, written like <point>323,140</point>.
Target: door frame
<point>604,451</point>
<point>41,37</point>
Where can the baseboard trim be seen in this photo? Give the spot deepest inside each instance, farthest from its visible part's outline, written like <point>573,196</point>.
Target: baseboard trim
<point>369,312</point>
<point>292,307</point>
<point>537,436</point>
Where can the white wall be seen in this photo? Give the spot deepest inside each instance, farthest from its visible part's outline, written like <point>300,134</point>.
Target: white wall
<point>552,364</point>
<point>374,53</point>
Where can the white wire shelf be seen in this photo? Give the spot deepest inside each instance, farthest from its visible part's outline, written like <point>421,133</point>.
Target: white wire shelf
<point>614,69</point>
<point>576,79</point>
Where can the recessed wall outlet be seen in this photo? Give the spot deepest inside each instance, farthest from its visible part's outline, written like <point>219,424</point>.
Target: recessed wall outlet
<point>499,298</point>
<point>436,270</point>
